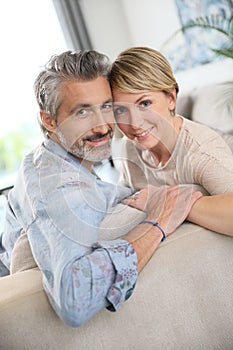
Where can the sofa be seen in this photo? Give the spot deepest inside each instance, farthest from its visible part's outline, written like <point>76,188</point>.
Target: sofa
<point>183,298</point>
<point>211,105</point>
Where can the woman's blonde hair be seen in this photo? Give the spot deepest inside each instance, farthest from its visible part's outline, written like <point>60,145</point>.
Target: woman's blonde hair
<point>142,69</point>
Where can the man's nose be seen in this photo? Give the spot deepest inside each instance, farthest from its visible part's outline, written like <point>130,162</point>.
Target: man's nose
<point>100,123</point>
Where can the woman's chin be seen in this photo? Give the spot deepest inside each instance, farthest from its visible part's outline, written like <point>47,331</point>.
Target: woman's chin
<point>146,144</point>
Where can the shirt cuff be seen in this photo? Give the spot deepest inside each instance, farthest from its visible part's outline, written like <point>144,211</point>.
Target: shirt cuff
<point>124,259</point>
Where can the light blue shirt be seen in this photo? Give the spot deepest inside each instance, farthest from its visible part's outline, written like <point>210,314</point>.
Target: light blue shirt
<point>61,204</point>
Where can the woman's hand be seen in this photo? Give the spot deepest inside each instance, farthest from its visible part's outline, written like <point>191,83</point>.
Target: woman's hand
<point>168,205</point>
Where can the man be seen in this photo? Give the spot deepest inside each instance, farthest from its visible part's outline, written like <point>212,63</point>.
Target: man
<point>60,202</point>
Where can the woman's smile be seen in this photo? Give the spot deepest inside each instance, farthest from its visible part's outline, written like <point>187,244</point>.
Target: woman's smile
<point>143,135</point>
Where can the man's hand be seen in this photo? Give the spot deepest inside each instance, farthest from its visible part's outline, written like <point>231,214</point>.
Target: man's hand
<point>168,205</point>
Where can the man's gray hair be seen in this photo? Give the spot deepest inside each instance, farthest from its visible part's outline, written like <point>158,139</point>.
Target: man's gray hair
<point>80,66</point>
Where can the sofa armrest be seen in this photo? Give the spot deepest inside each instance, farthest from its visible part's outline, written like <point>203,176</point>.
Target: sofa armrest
<point>17,286</point>
<point>183,300</point>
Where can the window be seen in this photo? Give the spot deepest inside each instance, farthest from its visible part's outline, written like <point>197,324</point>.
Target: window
<point>30,35</point>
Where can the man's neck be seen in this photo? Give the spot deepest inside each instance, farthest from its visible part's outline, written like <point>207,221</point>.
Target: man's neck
<point>86,163</point>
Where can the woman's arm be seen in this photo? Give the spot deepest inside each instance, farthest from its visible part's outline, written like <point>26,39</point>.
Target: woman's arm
<point>214,213</point>
<point>167,205</point>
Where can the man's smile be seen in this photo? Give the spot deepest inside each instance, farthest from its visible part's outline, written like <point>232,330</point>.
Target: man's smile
<point>98,138</point>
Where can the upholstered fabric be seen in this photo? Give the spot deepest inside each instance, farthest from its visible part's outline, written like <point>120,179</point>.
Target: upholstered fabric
<point>183,300</point>
<point>22,258</point>
<point>184,106</point>
<point>213,106</point>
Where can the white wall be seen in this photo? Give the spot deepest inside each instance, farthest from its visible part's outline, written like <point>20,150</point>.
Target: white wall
<point>151,22</point>
<point>107,25</point>
<point>118,24</point>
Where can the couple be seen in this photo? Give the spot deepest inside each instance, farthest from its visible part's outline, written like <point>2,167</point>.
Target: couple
<point>60,202</point>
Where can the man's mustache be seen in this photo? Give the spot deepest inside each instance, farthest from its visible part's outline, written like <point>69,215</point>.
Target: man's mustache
<point>98,136</point>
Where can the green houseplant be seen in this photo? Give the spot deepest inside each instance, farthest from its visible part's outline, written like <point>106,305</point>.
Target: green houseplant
<point>224,26</point>
<point>222,48</point>
<point>221,24</point>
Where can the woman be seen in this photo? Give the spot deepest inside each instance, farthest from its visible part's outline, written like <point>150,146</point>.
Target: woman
<point>164,148</point>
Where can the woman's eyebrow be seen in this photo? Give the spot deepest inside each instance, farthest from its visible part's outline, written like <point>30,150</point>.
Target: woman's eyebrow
<point>141,97</point>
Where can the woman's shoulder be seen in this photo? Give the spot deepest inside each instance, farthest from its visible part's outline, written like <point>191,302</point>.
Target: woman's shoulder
<point>200,132</point>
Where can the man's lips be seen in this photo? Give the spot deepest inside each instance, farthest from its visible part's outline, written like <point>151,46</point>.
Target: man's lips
<point>98,138</point>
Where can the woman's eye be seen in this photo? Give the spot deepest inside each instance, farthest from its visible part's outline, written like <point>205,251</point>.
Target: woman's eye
<point>119,110</point>
<point>145,104</point>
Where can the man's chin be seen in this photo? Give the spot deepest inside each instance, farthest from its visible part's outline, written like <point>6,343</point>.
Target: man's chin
<point>98,157</point>
<point>96,154</point>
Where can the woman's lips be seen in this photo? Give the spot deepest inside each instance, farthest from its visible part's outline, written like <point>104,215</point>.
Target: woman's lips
<point>143,135</point>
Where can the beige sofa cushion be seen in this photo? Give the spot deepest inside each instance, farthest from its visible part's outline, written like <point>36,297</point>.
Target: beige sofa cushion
<point>21,257</point>
<point>183,300</point>
<point>184,105</point>
<point>213,106</point>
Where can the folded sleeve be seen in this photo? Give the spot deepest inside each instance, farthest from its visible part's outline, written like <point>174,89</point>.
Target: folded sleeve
<point>124,259</point>
<point>102,278</point>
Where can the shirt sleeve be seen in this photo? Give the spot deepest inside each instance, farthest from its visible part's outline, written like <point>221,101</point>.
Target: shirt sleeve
<point>125,277</point>
<point>103,276</point>
<point>3,270</point>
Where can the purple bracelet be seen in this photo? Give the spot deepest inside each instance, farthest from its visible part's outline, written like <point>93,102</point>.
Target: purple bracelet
<point>155,223</point>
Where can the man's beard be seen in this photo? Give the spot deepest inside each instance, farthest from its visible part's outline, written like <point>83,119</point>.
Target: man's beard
<point>85,151</point>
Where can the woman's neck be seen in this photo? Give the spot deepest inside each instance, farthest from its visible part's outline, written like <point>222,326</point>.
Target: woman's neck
<point>162,152</point>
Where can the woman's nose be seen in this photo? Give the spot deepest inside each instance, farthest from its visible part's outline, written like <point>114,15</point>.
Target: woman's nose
<point>135,118</point>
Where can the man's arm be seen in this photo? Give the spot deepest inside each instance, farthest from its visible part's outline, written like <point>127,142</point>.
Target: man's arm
<point>80,279</point>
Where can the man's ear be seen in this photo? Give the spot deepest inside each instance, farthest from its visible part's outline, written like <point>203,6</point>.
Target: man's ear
<point>48,121</point>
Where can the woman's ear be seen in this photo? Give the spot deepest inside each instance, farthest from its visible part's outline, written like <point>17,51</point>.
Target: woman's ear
<point>172,100</point>
<point>48,121</point>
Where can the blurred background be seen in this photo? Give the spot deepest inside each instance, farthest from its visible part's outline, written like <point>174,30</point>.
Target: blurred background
<point>32,31</point>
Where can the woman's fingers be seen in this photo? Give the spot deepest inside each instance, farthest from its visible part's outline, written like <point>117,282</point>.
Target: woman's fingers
<point>178,207</point>
<point>169,205</point>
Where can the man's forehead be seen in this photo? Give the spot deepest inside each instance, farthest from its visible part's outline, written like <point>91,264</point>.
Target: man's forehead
<point>87,91</point>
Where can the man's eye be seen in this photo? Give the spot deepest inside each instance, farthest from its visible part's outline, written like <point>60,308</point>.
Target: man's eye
<point>82,113</point>
<point>145,104</point>
<point>107,107</point>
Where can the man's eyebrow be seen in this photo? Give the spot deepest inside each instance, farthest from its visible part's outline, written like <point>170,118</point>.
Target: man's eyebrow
<point>78,106</point>
<point>87,105</point>
<point>110,100</point>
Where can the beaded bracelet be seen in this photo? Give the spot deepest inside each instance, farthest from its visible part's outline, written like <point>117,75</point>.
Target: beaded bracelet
<point>155,223</point>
